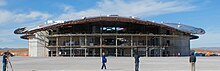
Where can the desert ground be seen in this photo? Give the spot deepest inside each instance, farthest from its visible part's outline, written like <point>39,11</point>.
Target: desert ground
<point>20,63</point>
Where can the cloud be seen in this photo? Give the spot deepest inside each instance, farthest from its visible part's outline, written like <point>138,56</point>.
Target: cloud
<point>5,16</point>
<point>6,36</point>
<point>208,40</point>
<point>140,8</point>
<point>33,15</point>
<point>13,17</point>
<point>66,8</point>
<point>10,40</point>
<point>2,3</point>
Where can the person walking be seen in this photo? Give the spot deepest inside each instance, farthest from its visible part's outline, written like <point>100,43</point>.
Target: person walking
<point>136,58</point>
<point>4,62</point>
<point>192,60</point>
<point>5,59</point>
<point>104,60</point>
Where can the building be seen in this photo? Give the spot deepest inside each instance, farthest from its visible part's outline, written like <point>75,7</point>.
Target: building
<point>112,34</point>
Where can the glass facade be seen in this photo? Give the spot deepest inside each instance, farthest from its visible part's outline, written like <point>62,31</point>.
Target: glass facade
<point>113,38</point>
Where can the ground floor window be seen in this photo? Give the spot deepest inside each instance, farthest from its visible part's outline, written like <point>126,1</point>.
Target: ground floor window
<point>109,51</point>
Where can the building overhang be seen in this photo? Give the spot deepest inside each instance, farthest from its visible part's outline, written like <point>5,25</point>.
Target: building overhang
<point>49,26</point>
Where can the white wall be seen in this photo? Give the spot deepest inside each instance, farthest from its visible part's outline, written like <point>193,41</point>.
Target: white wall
<point>32,45</point>
<point>37,45</point>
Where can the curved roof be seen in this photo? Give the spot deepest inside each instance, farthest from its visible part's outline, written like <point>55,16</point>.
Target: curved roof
<point>95,19</point>
<point>186,28</point>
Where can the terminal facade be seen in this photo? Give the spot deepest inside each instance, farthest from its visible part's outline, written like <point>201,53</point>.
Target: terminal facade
<point>114,35</point>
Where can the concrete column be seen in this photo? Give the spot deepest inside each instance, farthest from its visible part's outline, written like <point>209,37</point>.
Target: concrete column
<point>131,52</point>
<point>73,52</point>
<point>93,52</point>
<point>57,45</point>
<point>160,51</point>
<point>101,52</point>
<point>85,40</point>
<point>146,47</point>
<point>57,53</point>
<point>100,45</point>
<point>146,51</point>
<point>131,40</point>
<point>85,52</point>
<point>100,40</point>
<point>70,46</point>
<point>131,46</point>
<point>116,50</point>
<point>160,46</point>
<point>116,42</point>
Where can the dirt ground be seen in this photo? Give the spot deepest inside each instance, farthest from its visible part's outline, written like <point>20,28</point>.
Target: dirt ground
<point>17,52</point>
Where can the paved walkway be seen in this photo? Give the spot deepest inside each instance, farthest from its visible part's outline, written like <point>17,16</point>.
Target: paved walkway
<point>114,64</point>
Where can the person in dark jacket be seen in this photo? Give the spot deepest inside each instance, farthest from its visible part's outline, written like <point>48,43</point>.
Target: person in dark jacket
<point>136,58</point>
<point>4,62</point>
<point>104,60</point>
<point>5,57</point>
<point>192,60</point>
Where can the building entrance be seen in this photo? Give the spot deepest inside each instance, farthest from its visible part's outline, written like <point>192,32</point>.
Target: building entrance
<point>96,52</point>
<point>64,52</point>
<point>79,51</point>
<point>109,51</point>
<point>51,53</point>
<point>141,51</point>
<point>93,52</point>
<point>124,52</point>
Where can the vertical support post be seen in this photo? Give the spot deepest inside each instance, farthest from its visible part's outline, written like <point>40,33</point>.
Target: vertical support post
<point>160,51</point>
<point>57,45</point>
<point>85,51</point>
<point>57,53</point>
<point>116,52</point>
<point>85,40</point>
<point>100,45</point>
<point>70,46</point>
<point>73,52</point>
<point>116,42</point>
<point>93,52</point>
<point>146,46</point>
<point>131,52</point>
<point>131,40</point>
<point>131,46</point>
<point>100,40</point>
<point>101,52</point>
<point>160,46</point>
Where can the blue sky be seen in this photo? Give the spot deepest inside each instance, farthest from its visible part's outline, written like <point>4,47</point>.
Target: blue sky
<point>198,13</point>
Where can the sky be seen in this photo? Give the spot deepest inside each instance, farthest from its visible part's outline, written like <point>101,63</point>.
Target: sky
<point>203,14</point>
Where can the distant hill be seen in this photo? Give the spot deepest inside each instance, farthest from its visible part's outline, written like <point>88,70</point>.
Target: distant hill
<point>207,48</point>
<point>8,48</point>
<point>15,51</point>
